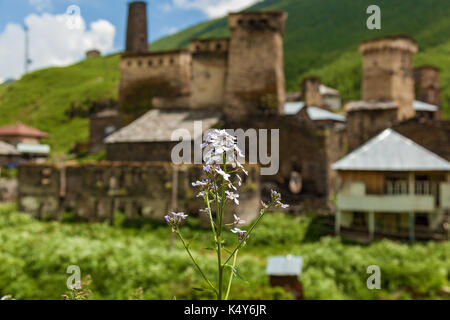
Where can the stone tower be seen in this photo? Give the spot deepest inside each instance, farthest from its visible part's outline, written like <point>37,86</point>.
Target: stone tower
<point>387,88</point>
<point>255,81</point>
<point>428,85</point>
<point>311,92</point>
<point>388,73</point>
<point>137,27</point>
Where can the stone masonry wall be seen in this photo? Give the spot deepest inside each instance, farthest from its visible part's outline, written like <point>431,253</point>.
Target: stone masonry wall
<point>209,72</point>
<point>93,192</point>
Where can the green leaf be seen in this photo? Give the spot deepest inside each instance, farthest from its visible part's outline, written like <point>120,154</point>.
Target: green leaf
<point>203,290</point>
<point>237,274</point>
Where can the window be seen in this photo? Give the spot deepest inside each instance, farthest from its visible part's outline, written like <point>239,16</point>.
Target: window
<point>396,184</point>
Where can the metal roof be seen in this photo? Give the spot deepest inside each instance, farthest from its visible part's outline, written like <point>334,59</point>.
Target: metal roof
<point>390,151</point>
<point>293,107</point>
<point>324,90</point>
<point>22,130</point>
<point>370,105</point>
<point>158,125</point>
<point>423,106</point>
<point>314,113</point>
<point>33,148</point>
<point>284,266</point>
<point>7,149</point>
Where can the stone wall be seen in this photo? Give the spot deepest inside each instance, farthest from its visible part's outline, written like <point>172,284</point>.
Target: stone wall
<point>100,126</point>
<point>155,79</point>
<point>306,147</point>
<point>209,72</point>
<point>140,151</point>
<point>365,124</point>
<point>433,135</point>
<point>93,192</point>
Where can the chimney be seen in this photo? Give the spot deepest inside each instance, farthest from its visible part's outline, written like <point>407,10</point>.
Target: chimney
<point>388,72</point>
<point>137,28</point>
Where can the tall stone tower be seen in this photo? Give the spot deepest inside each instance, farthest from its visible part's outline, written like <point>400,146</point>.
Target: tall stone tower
<point>428,85</point>
<point>137,27</point>
<point>387,88</point>
<point>255,82</point>
<point>388,72</point>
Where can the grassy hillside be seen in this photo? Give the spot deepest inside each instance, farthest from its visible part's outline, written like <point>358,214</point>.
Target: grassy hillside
<point>321,38</point>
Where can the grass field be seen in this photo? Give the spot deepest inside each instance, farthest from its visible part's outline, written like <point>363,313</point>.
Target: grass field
<point>120,259</point>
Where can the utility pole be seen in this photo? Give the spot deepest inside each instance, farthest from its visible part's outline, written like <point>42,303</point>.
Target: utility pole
<point>27,54</point>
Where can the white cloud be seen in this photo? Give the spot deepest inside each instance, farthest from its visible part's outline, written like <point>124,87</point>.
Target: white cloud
<point>52,42</point>
<point>41,5</point>
<point>215,8</point>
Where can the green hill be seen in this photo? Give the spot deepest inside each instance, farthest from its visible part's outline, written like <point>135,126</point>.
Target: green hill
<point>321,39</point>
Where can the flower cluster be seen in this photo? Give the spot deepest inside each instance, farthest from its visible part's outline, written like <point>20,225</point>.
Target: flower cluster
<point>275,201</point>
<point>175,219</point>
<point>241,234</point>
<point>220,148</point>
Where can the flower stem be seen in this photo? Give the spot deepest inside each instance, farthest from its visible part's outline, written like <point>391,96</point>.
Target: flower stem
<point>193,260</point>
<point>231,276</point>
<point>248,235</point>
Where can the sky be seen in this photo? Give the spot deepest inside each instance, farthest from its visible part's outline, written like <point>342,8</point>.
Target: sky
<point>61,31</point>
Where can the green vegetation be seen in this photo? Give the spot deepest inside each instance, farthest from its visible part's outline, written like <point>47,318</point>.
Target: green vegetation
<point>41,99</point>
<point>321,38</point>
<point>123,258</point>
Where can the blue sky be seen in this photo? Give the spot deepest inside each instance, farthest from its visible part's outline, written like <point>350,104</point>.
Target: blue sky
<point>103,25</point>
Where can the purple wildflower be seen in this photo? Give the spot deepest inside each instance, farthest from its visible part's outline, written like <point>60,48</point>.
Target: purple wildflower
<point>174,219</point>
<point>241,234</point>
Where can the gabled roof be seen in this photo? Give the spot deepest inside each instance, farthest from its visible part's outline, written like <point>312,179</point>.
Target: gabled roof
<point>22,130</point>
<point>314,113</point>
<point>158,125</point>
<point>390,151</point>
<point>423,106</point>
<point>284,266</point>
<point>7,149</point>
